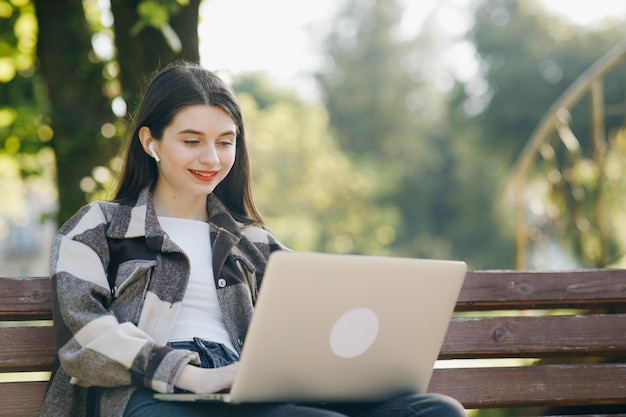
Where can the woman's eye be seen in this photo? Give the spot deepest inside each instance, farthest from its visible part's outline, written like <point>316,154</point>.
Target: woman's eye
<point>192,141</point>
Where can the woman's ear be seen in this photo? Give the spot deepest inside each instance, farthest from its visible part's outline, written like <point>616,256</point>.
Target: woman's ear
<point>147,142</point>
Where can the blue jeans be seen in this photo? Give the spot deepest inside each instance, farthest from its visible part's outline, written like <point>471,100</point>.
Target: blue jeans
<point>142,403</point>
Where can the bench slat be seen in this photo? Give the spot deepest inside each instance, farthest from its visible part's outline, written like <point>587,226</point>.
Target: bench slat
<point>21,399</point>
<point>545,385</point>
<point>26,349</point>
<point>25,298</point>
<point>526,337</point>
<point>502,290</point>
<point>31,297</point>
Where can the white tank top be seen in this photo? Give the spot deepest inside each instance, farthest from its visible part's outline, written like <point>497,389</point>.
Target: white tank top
<point>200,314</point>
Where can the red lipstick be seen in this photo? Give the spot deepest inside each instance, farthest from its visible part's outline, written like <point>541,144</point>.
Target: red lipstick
<point>202,175</point>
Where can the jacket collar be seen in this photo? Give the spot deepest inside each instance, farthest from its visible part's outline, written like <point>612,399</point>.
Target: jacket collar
<point>138,218</point>
<point>220,218</point>
<point>134,218</point>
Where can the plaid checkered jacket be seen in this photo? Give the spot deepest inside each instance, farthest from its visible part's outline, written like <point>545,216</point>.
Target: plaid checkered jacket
<point>118,282</point>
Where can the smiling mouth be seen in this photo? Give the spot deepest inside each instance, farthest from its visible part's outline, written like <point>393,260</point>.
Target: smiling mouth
<point>204,175</point>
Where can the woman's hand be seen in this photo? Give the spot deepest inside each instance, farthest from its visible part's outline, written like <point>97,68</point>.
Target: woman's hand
<point>207,380</point>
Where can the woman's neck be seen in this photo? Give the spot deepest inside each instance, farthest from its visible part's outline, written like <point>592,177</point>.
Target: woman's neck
<point>193,208</point>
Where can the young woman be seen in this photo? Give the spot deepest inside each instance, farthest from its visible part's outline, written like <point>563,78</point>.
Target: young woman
<point>154,291</point>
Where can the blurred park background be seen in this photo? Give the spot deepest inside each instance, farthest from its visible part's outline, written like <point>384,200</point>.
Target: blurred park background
<point>490,131</point>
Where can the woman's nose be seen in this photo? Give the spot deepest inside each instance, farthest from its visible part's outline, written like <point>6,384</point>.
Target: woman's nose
<point>209,154</point>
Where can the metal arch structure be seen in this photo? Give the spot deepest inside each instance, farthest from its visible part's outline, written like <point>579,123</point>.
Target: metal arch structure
<point>589,81</point>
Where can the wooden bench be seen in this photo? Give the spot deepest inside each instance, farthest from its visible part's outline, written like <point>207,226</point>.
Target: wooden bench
<point>563,333</point>
<point>26,342</point>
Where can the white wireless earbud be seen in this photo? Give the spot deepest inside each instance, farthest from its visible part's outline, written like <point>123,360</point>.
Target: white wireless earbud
<point>153,152</point>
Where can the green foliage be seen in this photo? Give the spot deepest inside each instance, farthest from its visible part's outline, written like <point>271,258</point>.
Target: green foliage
<point>11,188</point>
<point>581,203</point>
<point>155,13</point>
<point>614,189</point>
<point>26,159</point>
<point>369,76</point>
<point>386,114</point>
<point>529,59</point>
<point>18,28</point>
<point>22,129</point>
<point>312,197</point>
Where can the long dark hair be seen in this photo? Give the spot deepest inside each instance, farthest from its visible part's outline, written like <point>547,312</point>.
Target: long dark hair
<point>177,86</point>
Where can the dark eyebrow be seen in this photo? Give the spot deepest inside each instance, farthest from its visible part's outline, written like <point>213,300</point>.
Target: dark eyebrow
<point>197,132</point>
<point>229,133</point>
<point>190,131</point>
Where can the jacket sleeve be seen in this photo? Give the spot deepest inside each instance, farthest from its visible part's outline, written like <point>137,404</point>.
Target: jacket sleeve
<point>93,346</point>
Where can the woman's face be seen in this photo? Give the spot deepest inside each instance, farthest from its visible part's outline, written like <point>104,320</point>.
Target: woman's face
<point>196,152</point>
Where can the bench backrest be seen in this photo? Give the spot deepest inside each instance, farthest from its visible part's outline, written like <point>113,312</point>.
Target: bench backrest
<point>570,322</point>
<point>26,343</point>
<point>570,325</point>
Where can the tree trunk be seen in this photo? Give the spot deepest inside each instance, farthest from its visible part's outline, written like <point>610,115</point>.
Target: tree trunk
<point>78,107</point>
<point>141,54</point>
<point>78,104</point>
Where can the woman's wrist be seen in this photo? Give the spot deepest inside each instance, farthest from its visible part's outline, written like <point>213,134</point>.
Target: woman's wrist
<point>188,378</point>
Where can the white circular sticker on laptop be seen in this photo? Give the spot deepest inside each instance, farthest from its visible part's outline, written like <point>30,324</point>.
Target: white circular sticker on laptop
<point>354,332</point>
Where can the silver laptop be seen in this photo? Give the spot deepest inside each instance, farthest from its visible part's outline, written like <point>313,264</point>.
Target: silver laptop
<point>336,328</point>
